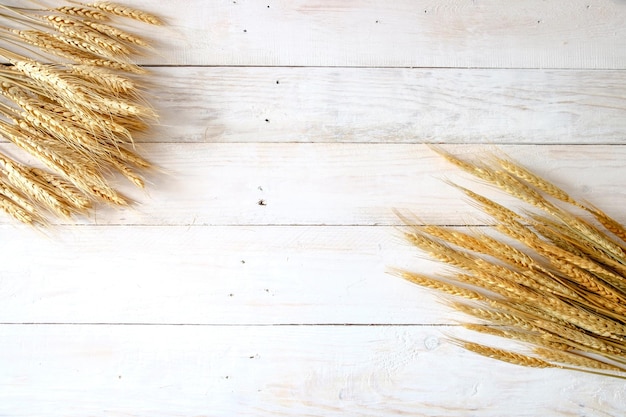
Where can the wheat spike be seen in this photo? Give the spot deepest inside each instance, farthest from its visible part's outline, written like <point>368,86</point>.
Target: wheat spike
<point>82,12</point>
<point>64,189</point>
<point>609,223</point>
<point>116,33</point>
<point>11,193</point>
<point>533,338</point>
<point>536,181</point>
<point>15,210</point>
<point>112,64</point>
<point>129,12</point>
<point>569,358</point>
<point>86,47</point>
<point>70,97</point>
<point>506,356</point>
<point>441,286</point>
<point>497,317</point>
<point>21,178</point>
<point>50,44</point>
<point>105,78</point>
<point>561,288</point>
<point>76,29</point>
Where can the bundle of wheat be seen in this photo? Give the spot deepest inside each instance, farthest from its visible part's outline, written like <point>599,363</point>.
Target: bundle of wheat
<point>69,96</point>
<point>561,290</point>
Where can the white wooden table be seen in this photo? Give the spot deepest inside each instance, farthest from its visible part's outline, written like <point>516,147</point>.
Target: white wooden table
<point>251,277</point>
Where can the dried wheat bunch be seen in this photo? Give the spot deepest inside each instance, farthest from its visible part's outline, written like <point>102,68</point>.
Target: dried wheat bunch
<point>560,289</point>
<point>70,96</point>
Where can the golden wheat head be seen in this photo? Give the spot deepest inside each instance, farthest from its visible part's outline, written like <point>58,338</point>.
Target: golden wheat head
<point>560,289</point>
<point>70,97</point>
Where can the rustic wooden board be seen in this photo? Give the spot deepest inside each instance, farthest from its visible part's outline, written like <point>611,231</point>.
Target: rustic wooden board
<point>163,371</point>
<point>223,275</point>
<point>403,33</point>
<point>390,105</point>
<point>252,276</point>
<point>344,184</point>
<point>376,33</point>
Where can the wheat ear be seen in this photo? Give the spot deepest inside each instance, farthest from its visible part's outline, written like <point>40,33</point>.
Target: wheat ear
<point>560,288</point>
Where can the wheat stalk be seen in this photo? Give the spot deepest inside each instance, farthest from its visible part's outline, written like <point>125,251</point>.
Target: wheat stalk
<point>69,97</point>
<point>561,290</point>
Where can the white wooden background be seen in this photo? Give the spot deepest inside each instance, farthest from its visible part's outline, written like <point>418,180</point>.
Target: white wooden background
<point>251,279</point>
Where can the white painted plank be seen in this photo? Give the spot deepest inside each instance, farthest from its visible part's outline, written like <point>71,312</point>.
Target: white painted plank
<point>402,33</point>
<point>343,184</point>
<point>389,105</point>
<point>377,33</point>
<point>269,371</point>
<point>214,275</point>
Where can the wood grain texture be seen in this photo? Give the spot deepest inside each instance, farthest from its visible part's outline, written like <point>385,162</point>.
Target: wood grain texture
<point>390,105</point>
<point>160,371</point>
<point>223,275</point>
<point>403,33</point>
<point>251,278</point>
<point>344,184</point>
